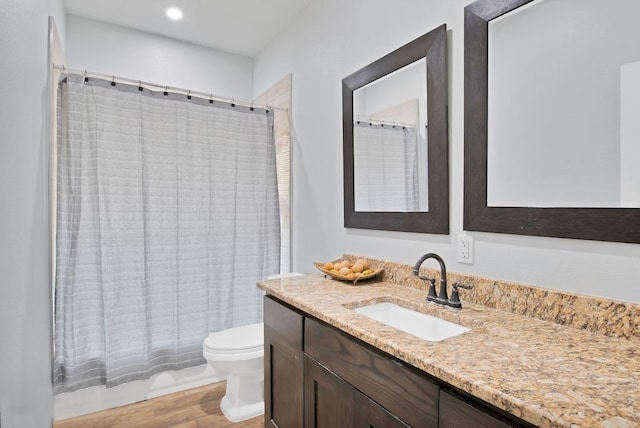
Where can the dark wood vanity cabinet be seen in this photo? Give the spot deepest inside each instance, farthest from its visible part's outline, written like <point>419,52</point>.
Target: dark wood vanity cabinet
<point>317,376</point>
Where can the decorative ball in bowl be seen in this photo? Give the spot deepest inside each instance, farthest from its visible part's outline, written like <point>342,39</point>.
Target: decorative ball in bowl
<point>348,270</point>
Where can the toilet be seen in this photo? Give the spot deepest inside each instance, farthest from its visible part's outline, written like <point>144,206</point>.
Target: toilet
<point>238,352</point>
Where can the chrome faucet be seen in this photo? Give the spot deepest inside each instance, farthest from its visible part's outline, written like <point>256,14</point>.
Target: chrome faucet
<point>442,297</point>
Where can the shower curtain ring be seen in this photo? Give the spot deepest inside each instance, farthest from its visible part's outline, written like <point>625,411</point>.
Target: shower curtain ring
<point>140,85</point>
<point>86,79</point>
<point>189,94</point>
<point>211,99</point>
<point>166,91</point>
<point>233,102</point>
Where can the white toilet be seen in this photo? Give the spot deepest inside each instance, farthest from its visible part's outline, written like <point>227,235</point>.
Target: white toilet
<point>239,353</point>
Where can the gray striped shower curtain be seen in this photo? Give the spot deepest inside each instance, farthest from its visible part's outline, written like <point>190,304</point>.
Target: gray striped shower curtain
<point>167,215</point>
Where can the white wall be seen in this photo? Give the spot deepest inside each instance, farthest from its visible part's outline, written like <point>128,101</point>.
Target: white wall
<point>57,10</point>
<point>330,40</point>
<point>25,315</point>
<point>104,48</point>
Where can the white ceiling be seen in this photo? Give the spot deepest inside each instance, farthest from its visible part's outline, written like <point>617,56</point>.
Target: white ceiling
<point>242,27</point>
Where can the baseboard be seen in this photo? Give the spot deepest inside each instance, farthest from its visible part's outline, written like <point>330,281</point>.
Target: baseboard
<point>99,398</point>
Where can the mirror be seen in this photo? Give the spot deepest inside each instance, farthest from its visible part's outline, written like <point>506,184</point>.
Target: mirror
<point>560,65</point>
<point>389,142</point>
<point>547,119</point>
<point>395,140</point>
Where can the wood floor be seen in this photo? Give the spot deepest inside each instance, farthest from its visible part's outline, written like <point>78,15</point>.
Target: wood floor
<point>194,408</point>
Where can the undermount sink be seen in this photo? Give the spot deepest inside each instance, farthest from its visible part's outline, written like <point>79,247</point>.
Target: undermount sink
<point>424,326</point>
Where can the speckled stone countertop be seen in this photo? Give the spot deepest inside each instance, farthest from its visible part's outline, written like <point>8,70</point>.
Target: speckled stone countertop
<point>548,374</point>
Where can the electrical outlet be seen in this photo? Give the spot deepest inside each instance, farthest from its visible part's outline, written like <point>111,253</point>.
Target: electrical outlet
<point>465,249</point>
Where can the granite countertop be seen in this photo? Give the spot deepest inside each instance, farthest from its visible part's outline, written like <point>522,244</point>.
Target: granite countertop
<point>547,374</point>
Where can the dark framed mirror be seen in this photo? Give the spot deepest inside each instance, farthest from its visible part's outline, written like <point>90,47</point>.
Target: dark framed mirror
<point>529,111</point>
<point>396,140</point>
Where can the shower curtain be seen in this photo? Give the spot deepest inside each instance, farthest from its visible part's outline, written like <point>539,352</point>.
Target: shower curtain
<point>386,167</point>
<point>167,215</point>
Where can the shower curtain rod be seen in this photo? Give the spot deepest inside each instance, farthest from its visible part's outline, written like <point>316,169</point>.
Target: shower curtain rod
<point>371,121</point>
<point>174,90</point>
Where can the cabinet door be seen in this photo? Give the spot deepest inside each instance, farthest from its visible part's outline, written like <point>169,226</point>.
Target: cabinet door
<point>283,366</point>
<point>329,402</point>
<point>457,412</point>
<point>372,415</point>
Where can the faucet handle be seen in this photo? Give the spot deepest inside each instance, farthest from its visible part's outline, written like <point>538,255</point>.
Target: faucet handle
<point>454,301</point>
<point>431,295</point>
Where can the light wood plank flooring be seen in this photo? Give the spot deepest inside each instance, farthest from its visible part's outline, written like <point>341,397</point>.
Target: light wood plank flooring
<point>194,408</point>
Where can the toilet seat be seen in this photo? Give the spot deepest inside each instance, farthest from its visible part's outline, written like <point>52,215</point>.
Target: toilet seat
<point>239,343</point>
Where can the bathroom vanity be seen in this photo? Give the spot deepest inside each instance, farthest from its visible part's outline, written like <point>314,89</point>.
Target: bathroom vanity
<point>328,366</point>
<point>319,376</point>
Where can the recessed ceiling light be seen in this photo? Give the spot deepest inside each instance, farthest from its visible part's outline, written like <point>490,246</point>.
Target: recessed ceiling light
<point>174,13</point>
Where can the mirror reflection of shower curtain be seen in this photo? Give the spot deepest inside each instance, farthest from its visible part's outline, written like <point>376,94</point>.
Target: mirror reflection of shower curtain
<point>385,167</point>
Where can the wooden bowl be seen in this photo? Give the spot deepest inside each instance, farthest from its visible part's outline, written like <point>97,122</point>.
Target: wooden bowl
<point>354,277</point>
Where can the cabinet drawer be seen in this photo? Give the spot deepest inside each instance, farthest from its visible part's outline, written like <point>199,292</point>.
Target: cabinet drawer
<point>284,322</point>
<point>398,388</point>
<point>457,412</point>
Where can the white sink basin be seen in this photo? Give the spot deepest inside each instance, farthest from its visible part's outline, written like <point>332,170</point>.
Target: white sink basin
<point>421,325</point>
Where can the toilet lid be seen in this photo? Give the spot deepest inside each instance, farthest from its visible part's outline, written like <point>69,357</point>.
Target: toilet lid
<point>246,338</point>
